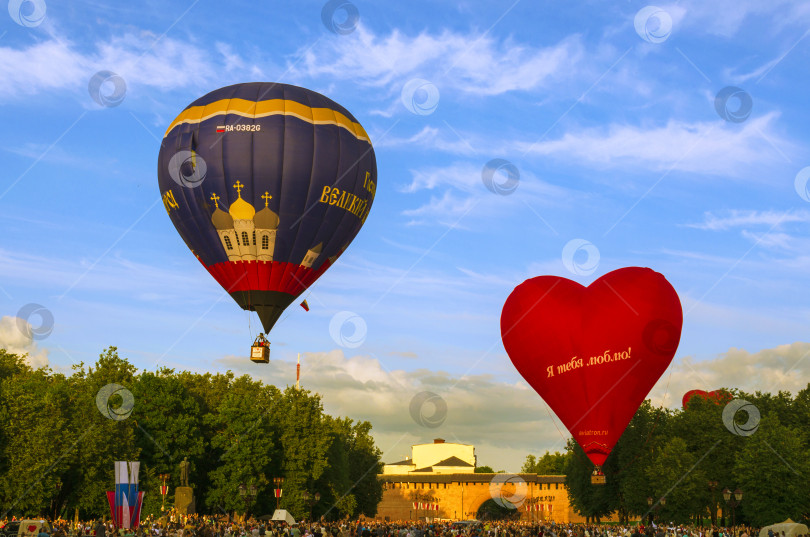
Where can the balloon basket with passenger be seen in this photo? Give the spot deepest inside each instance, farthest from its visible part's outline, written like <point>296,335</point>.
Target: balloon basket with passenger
<point>260,350</point>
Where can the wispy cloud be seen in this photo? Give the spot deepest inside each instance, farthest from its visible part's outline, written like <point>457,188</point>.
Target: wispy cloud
<point>112,275</point>
<point>739,218</point>
<point>468,62</point>
<point>456,188</point>
<point>726,17</point>
<point>704,147</point>
<point>58,64</point>
<point>434,139</point>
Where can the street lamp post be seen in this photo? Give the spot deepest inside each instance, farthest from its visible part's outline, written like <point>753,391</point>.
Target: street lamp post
<point>733,502</point>
<point>713,508</point>
<point>248,494</point>
<point>530,507</point>
<point>277,481</point>
<point>654,508</point>
<point>418,498</point>
<point>56,507</point>
<point>311,500</point>
<point>164,490</point>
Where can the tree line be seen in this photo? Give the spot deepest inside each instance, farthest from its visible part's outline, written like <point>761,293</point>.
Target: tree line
<point>689,456</point>
<point>60,434</point>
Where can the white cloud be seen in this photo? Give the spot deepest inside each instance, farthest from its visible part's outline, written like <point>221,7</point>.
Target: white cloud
<point>503,418</point>
<point>739,218</point>
<point>431,138</point>
<point>716,148</point>
<point>139,59</point>
<point>471,63</point>
<point>770,224</point>
<point>708,147</point>
<point>480,409</point>
<point>458,189</point>
<point>449,210</point>
<point>17,337</point>
<point>786,368</point>
<point>726,17</point>
<point>110,274</point>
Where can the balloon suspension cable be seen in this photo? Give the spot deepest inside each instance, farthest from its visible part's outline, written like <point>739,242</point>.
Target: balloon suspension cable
<point>250,317</point>
<point>582,455</point>
<point>655,426</point>
<point>548,411</point>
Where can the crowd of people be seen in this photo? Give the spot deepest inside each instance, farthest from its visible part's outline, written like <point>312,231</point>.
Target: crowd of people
<point>206,526</point>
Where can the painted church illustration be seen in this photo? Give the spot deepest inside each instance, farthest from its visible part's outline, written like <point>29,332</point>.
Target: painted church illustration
<point>248,235</point>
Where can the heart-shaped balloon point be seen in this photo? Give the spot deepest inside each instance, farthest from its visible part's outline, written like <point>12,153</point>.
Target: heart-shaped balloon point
<point>593,353</point>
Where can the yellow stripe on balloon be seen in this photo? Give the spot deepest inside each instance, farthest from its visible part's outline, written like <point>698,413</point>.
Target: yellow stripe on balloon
<point>272,107</point>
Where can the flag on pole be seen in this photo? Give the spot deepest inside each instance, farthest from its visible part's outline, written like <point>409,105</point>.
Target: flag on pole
<point>126,501</point>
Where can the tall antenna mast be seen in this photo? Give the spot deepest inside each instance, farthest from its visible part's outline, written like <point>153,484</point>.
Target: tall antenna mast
<point>298,373</point>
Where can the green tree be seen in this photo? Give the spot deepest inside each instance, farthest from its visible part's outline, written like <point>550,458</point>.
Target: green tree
<point>365,463</point>
<point>772,470</point>
<point>547,464</point>
<point>36,456</point>
<point>632,455</point>
<point>243,445</point>
<point>674,474</point>
<point>305,441</point>
<point>101,436</point>
<point>68,430</point>
<point>590,501</point>
<point>168,428</point>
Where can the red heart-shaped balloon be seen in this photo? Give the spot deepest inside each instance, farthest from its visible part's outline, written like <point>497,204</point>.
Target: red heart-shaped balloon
<point>593,353</point>
<point>31,529</point>
<point>692,393</point>
<point>718,396</point>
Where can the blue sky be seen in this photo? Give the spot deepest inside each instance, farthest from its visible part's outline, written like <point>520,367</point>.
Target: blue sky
<point>611,129</point>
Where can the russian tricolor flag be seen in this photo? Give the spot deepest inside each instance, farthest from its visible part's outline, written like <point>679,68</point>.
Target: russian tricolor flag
<point>125,501</point>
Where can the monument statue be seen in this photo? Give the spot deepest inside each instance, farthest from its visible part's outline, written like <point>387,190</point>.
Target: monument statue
<point>184,501</point>
<point>184,472</point>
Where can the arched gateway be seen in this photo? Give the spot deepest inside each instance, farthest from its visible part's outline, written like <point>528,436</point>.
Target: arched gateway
<point>440,482</point>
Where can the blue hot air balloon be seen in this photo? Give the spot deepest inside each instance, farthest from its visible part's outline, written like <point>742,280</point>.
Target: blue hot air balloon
<point>267,184</point>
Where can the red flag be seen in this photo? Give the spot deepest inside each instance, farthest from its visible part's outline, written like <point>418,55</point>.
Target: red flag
<point>135,512</point>
<point>113,511</point>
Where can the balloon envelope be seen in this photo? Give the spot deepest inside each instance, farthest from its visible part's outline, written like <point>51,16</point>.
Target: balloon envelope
<point>717,396</point>
<point>593,353</point>
<point>267,184</point>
